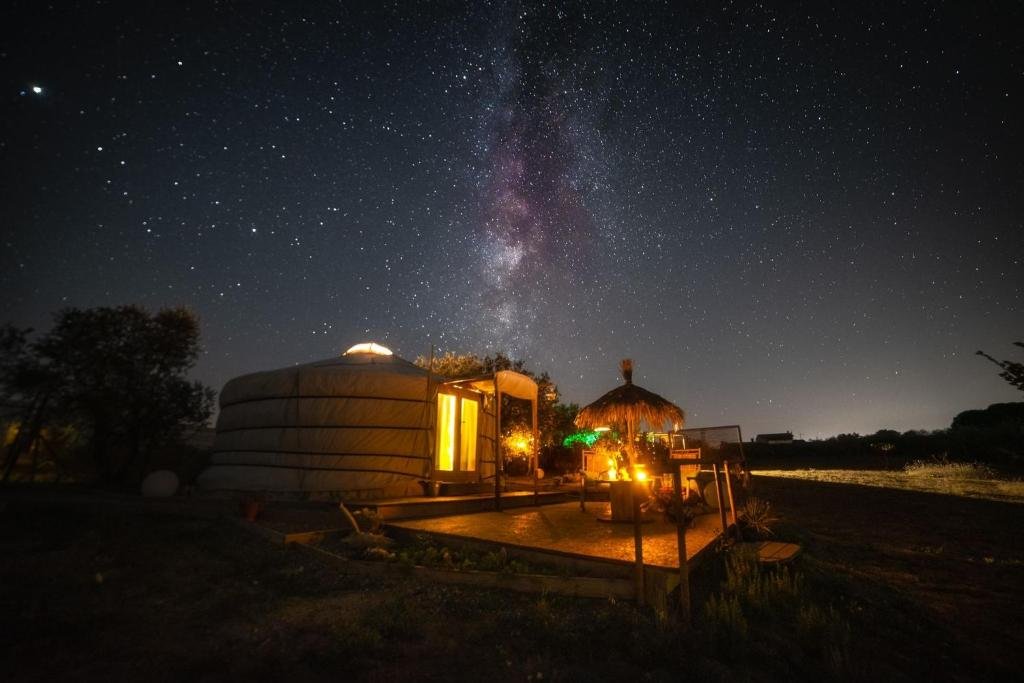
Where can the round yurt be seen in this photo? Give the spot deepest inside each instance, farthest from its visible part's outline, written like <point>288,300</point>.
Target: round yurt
<point>358,426</point>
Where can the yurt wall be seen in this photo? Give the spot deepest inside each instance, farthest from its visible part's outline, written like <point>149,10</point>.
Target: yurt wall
<point>355,427</point>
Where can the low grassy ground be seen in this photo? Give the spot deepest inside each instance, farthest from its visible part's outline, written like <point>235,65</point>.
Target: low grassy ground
<point>929,480</point>
<point>892,585</point>
<point>941,577</point>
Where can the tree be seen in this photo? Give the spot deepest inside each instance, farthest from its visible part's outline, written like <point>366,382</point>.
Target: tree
<point>564,420</point>
<point>27,390</point>
<point>1012,372</point>
<point>996,416</point>
<point>119,374</point>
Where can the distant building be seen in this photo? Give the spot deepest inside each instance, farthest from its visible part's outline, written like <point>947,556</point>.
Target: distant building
<point>784,437</point>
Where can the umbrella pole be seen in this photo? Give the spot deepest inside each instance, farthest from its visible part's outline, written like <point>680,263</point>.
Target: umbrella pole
<point>630,452</point>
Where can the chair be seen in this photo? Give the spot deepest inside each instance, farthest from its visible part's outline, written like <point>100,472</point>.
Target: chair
<point>680,457</point>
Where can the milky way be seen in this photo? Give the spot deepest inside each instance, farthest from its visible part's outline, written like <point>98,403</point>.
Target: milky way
<point>536,226</point>
<point>802,219</point>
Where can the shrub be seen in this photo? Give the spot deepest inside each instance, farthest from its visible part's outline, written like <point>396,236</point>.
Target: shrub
<point>727,627</point>
<point>761,590</point>
<point>825,635</point>
<point>756,516</point>
<point>941,467</point>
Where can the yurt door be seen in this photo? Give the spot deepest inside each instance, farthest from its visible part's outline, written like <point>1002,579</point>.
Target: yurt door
<point>457,422</point>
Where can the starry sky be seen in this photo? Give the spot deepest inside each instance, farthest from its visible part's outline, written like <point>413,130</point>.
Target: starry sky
<point>801,218</point>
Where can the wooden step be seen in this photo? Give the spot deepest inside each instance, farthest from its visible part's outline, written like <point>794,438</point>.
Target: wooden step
<point>775,552</point>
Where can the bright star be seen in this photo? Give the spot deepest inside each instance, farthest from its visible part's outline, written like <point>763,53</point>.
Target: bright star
<point>37,90</point>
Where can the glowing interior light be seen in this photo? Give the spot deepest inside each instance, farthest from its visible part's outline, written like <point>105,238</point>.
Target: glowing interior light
<point>467,439</point>
<point>446,432</point>
<point>369,347</point>
<point>641,475</point>
<point>602,429</point>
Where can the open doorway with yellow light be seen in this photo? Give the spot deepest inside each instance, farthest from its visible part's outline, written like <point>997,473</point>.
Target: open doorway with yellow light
<point>458,419</point>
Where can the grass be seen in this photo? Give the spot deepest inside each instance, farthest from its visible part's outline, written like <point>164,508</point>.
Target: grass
<point>942,468</point>
<point>969,480</point>
<point>930,585</point>
<point>891,586</point>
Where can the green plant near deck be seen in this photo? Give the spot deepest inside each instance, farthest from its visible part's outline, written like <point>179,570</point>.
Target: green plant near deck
<point>426,553</point>
<point>759,609</point>
<point>825,635</point>
<point>725,625</point>
<point>757,516</point>
<point>761,590</point>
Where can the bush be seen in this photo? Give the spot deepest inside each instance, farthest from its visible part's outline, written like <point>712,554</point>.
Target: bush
<point>757,517</point>
<point>944,469</point>
<point>727,628</point>
<point>770,612</point>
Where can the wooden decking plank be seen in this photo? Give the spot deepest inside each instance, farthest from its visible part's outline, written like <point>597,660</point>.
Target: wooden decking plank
<point>771,552</point>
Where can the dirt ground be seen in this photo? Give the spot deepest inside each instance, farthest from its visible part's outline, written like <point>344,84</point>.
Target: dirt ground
<point>955,564</point>
<point>930,585</point>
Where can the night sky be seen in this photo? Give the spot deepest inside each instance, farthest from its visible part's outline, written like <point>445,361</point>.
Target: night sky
<point>805,218</point>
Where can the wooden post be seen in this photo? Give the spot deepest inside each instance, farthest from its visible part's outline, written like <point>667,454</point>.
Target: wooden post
<point>497,445</point>
<point>429,445</point>
<point>638,546</point>
<point>721,500</point>
<point>684,568</point>
<point>583,491</point>
<point>536,481</point>
<point>728,489</point>
<point>536,448</point>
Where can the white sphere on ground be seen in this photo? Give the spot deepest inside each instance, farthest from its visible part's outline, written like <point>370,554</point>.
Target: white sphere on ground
<point>160,484</point>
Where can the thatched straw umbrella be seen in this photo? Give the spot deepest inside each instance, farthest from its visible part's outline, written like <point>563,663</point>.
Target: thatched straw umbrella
<point>629,405</point>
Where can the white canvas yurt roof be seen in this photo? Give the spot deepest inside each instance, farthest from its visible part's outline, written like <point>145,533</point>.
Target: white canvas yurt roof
<point>356,426</point>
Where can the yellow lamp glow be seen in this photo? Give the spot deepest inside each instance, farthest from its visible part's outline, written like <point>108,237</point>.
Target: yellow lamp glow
<point>612,470</point>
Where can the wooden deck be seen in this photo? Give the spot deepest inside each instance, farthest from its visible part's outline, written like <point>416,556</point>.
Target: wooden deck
<point>564,529</point>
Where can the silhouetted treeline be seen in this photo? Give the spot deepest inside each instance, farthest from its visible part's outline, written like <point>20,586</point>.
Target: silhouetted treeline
<point>994,435</point>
